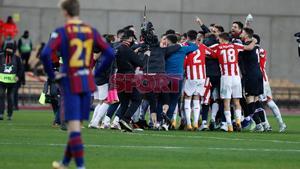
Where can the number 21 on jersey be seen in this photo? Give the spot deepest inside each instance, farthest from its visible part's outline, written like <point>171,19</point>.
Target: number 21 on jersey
<point>82,48</point>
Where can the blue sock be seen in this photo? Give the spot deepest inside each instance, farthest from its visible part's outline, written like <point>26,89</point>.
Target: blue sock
<point>76,148</point>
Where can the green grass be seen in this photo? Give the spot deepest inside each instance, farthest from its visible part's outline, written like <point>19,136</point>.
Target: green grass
<point>29,142</point>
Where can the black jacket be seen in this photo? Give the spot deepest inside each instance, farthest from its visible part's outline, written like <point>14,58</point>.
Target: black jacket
<point>127,60</point>
<point>155,63</point>
<point>13,64</point>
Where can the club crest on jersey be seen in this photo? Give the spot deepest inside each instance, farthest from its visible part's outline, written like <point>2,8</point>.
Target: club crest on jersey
<point>7,68</point>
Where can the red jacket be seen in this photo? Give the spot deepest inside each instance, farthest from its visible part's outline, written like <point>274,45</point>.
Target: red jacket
<point>10,29</point>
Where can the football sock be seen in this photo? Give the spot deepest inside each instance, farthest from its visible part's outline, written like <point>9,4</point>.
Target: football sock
<point>272,105</point>
<point>101,112</point>
<point>238,115</point>
<point>174,117</point>
<point>76,148</point>
<point>261,114</point>
<point>196,111</point>
<point>93,123</point>
<point>187,108</point>
<point>67,156</point>
<point>214,111</point>
<point>228,117</point>
<point>205,109</point>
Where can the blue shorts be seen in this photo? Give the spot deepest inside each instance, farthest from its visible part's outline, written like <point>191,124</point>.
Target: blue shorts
<point>74,106</point>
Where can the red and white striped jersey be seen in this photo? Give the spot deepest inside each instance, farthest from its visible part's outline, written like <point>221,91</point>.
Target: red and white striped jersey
<point>263,62</point>
<point>227,54</point>
<point>194,63</point>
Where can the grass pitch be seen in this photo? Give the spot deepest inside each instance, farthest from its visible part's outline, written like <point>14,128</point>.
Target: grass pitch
<point>29,142</point>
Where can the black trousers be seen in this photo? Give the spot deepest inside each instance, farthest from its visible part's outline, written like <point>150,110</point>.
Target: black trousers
<point>129,103</point>
<point>25,58</point>
<point>8,90</point>
<point>16,95</point>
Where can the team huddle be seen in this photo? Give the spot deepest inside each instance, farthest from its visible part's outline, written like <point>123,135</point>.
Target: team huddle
<point>178,75</point>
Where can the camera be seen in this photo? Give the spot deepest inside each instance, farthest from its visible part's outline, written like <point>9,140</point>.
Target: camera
<point>147,33</point>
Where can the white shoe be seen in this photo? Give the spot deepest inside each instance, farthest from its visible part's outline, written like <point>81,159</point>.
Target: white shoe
<point>267,127</point>
<point>165,127</point>
<point>224,127</point>
<point>203,127</point>
<point>282,128</point>
<point>115,126</point>
<point>259,128</point>
<point>93,127</point>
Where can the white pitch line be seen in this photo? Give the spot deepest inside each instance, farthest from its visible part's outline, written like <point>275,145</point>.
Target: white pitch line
<point>219,138</point>
<point>162,147</point>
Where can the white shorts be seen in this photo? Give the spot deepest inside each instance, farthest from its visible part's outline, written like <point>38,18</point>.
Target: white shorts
<point>267,92</point>
<point>101,92</point>
<point>194,87</point>
<point>231,87</point>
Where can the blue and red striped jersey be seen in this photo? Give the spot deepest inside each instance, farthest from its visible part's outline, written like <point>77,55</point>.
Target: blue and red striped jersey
<point>76,42</point>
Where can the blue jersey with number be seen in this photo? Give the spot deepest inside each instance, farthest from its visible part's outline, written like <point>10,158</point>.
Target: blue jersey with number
<point>75,42</point>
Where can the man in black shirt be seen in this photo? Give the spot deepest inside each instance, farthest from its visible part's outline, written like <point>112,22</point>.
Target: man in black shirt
<point>127,62</point>
<point>253,79</point>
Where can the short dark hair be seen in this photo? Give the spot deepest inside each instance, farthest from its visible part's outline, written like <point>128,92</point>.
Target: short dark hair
<point>240,24</point>
<point>220,28</point>
<point>257,37</point>
<point>72,7</point>
<point>128,27</point>
<point>192,34</point>
<point>120,31</point>
<point>170,31</point>
<point>225,36</point>
<point>249,32</point>
<point>172,37</point>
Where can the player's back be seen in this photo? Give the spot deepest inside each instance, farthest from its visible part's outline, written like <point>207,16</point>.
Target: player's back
<point>251,62</point>
<point>76,49</point>
<point>195,64</point>
<point>227,55</point>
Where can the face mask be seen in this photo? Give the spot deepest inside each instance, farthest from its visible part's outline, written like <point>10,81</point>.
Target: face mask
<point>26,36</point>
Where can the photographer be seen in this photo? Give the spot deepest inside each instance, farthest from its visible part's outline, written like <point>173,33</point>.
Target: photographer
<point>154,65</point>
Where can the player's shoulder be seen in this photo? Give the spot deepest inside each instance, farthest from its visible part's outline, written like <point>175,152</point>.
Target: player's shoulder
<point>238,44</point>
<point>214,46</point>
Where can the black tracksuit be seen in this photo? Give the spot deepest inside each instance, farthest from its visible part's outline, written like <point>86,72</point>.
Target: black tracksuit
<point>10,65</point>
<point>127,62</point>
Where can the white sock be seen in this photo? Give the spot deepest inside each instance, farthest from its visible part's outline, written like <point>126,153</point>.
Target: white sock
<point>106,120</point>
<point>136,116</point>
<point>248,118</point>
<point>238,115</point>
<point>100,113</point>
<point>187,108</point>
<point>272,105</point>
<point>116,120</point>
<point>174,117</point>
<point>228,117</point>
<point>267,121</point>
<point>204,122</point>
<point>196,110</point>
<point>214,111</point>
<point>93,120</point>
